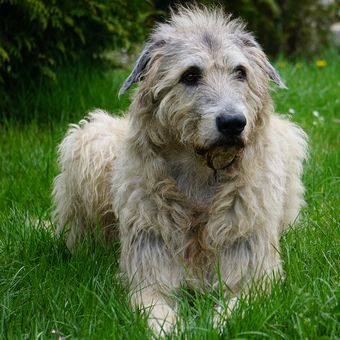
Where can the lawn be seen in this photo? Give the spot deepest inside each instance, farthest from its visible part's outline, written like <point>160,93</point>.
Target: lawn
<point>47,293</point>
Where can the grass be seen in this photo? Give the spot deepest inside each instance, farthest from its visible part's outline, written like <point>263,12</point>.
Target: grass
<point>47,293</point>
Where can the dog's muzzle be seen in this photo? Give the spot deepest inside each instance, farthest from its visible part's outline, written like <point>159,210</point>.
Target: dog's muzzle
<point>223,154</point>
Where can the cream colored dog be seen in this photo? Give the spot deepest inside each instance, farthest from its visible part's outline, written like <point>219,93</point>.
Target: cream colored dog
<point>199,178</point>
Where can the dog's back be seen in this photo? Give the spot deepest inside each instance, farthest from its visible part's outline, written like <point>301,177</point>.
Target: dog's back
<point>82,190</point>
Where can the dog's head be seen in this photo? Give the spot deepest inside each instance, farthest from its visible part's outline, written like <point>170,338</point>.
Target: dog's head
<point>203,84</point>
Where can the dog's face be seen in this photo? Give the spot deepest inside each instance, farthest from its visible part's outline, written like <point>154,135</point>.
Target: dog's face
<point>206,81</point>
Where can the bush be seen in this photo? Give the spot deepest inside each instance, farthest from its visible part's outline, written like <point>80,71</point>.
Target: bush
<point>37,35</point>
<point>288,27</point>
<point>305,26</point>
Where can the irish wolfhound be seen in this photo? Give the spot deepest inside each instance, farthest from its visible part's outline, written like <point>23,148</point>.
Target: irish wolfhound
<point>200,177</point>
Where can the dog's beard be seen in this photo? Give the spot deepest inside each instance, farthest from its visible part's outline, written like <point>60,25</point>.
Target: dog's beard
<point>223,154</point>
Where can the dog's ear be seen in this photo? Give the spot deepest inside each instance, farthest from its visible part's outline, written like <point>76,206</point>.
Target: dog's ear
<point>249,41</point>
<point>141,64</point>
<point>274,75</point>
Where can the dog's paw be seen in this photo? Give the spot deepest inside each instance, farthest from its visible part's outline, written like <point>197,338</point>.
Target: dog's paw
<point>221,313</point>
<point>162,319</point>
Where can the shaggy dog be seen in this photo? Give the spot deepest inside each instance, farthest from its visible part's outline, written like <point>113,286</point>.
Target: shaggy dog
<point>200,177</point>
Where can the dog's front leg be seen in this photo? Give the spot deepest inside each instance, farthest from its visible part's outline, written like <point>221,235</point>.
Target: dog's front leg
<point>155,275</point>
<point>151,299</point>
<point>154,217</point>
<point>249,261</point>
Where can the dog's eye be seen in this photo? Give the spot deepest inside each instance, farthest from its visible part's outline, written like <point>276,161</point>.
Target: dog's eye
<point>240,73</point>
<point>191,76</point>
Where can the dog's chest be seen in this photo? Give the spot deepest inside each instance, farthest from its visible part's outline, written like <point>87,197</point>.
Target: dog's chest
<point>194,179</point>
<point>200,193</point>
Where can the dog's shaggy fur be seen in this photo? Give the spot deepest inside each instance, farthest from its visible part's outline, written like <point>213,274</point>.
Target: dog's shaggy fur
<point>189,204</point>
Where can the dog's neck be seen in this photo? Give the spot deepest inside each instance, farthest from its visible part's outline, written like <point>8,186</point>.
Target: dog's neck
<point>197,181</point>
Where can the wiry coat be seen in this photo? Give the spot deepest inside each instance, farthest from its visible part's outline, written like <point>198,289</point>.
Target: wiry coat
<point>183,215</point>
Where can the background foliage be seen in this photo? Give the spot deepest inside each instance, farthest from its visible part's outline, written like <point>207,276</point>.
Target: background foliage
<point>36,36</point>
<point>287,27</point>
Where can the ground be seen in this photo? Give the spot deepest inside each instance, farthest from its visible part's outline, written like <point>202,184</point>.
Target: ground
<point>47,293</point>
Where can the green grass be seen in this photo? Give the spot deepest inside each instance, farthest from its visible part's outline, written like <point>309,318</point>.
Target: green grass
<point>43,289</point>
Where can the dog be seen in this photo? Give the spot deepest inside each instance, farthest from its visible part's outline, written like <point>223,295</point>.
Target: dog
<point>200,178</point>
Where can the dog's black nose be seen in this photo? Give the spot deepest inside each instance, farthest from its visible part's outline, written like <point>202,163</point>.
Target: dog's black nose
<point>231,124</point>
